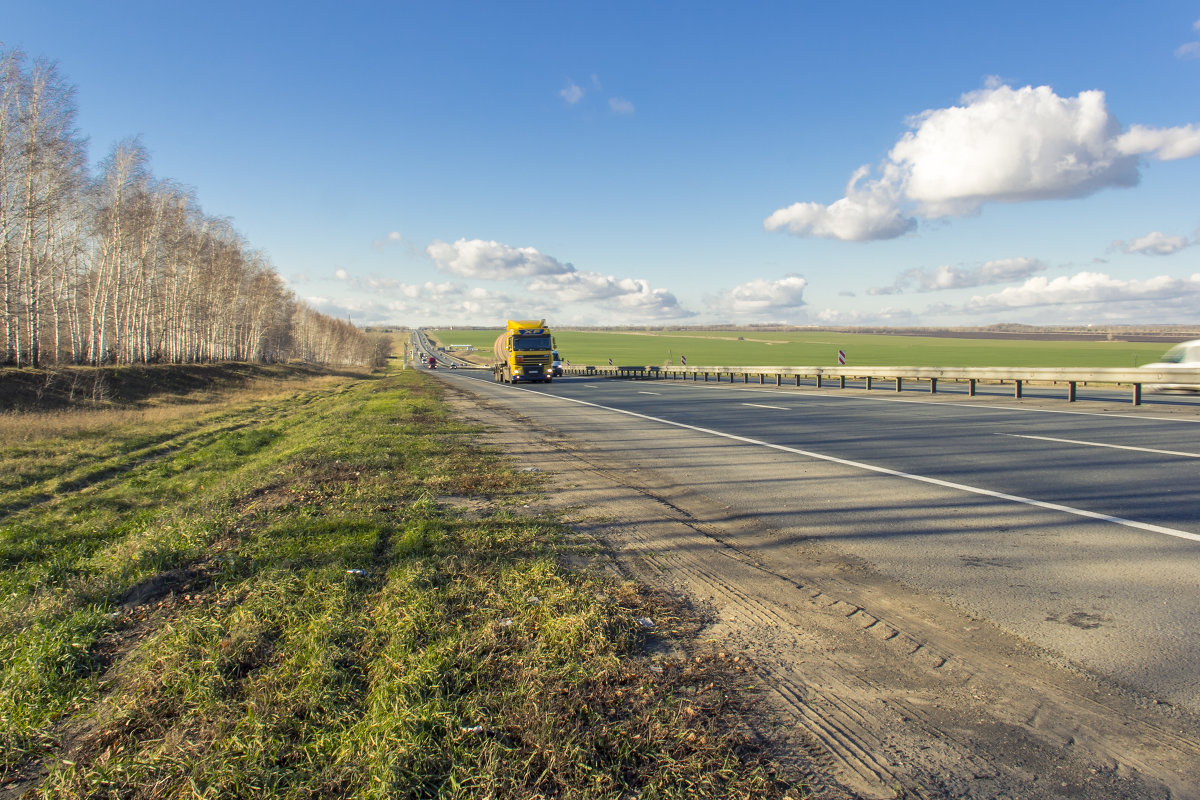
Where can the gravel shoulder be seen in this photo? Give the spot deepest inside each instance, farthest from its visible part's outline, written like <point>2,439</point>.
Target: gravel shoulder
<point>873,690</point>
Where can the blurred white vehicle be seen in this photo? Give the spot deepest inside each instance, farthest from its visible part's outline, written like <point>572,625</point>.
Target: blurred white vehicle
<point>1185,355</point>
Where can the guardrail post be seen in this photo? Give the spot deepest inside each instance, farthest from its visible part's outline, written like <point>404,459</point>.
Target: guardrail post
<point>819,383</point>
<point>970,387</point>
<point>778,379</point>
<point>1017,391</point>
<point>761,379</point>
<point>797,380</point>
<point>745,377</point>
<point>868,383</point>
<point>843,381</point>
<point>899,383</point>
<point>933,385</point>
<point>1071,391</point>
<point>1137,394</point>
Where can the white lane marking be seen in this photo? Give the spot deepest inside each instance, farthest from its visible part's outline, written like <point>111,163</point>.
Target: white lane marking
<point>590,386</point>
<point>653,393</point>
<point>962,487</point>
<point>1101,444</point>
<point>758,405</point>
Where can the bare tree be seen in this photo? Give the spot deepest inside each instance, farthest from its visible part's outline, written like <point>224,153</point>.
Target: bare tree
<point>125,267</point>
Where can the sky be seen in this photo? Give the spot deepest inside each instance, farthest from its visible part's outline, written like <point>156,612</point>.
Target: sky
<point>667,163</point>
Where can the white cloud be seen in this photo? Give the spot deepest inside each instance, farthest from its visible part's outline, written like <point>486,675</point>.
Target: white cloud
<point>476,258</point>
<point>945,277</point>
<point>885,316</point>
<point>633,297</point>
<point>557,283</point>
<point>619,105</point>
<point>572,93</point>
<point>1086,287</point>
<point>761,297</point>
<point>1154,243</point>
<point>341,274</point>
<point>397,303</point>
<point>1188,51</point>
<point>1165,144</point>
<point>864,214</point>
<point>1006,144</point>
<point>392,238</point>
<point>1000,145</point>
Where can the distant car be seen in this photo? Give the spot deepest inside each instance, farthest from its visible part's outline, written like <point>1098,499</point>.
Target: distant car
<point>1182,356</point>
<point>556,366</point>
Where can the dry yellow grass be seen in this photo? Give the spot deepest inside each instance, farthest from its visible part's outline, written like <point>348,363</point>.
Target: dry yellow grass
<point>25,427</point>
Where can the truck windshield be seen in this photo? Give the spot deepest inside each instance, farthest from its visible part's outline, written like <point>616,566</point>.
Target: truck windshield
<point>531,342</point>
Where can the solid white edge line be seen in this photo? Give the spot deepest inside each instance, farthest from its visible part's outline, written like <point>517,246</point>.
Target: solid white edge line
<point>1078,512</point>
<point>760,405</point>
<point>1101,444</point>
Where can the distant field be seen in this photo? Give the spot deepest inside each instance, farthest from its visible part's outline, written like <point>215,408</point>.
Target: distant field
<point>820,348</point>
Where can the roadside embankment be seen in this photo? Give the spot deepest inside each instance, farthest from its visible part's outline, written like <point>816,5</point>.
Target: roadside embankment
<point>332,591</point>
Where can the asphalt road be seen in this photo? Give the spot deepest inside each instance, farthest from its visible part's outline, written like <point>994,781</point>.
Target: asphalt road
<point>1077,529</point>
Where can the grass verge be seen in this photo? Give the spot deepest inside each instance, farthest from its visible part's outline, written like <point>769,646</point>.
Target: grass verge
<point>332,592</point>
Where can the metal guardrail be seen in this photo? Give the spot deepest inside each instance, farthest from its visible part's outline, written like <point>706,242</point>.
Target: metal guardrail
<point>972,376</point>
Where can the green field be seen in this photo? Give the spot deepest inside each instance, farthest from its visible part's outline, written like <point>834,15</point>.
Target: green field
<point>820,348</point>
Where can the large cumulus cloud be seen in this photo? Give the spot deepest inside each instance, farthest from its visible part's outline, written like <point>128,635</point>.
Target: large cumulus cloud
<point>1001,144</point>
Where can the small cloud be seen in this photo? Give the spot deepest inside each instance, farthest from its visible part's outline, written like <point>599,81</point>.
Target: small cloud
<point>392,238</point>
<point>619,105</point>
<point>476,258</point>
<point>1189,50</point>
<point>1165,144</point>
<point>1088,288</point>
<point>572,93</point>
<point>632,298</point>
<point>1003,270</point>
<point>341,274</point>
<point>761,297</point>
<point>885,316</point>
<point>1155,243</point>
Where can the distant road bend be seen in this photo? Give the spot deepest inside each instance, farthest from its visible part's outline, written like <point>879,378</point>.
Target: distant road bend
<point>1071,535</point>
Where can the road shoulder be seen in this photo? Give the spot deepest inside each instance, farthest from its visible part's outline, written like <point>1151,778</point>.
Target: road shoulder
<point>894,693</point>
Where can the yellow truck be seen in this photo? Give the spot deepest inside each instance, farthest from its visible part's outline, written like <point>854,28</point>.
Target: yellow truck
<point>524,352</point>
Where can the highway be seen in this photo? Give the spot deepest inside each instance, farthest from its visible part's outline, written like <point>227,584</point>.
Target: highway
<point>1079,531</point>
<point>1024,565</point>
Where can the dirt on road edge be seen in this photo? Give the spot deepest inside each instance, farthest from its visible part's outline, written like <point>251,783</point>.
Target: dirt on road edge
<point>873,691</point>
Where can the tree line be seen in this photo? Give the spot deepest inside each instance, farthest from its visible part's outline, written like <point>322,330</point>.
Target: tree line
<point>121,267</point>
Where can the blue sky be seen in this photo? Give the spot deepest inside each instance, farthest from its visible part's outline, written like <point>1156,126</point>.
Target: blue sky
<point>658,163</point>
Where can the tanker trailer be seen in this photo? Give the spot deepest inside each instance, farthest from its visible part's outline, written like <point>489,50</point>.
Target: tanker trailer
<point>523,352</point>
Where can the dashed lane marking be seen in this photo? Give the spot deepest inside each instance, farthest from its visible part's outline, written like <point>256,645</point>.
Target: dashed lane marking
<point>1102,444</point>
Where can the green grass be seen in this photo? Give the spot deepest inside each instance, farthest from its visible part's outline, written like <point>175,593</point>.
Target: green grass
<point>277,597</point>
<point>820,348</point>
